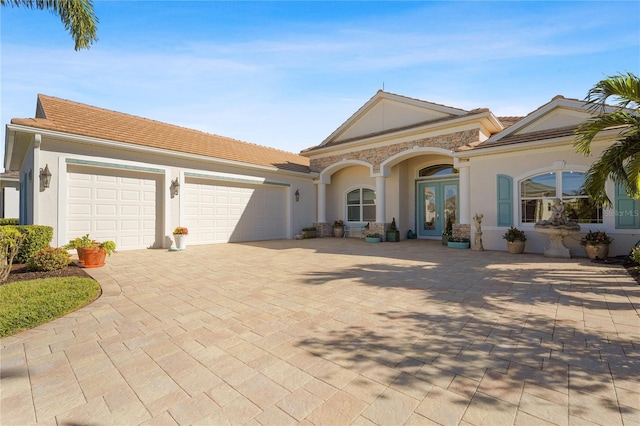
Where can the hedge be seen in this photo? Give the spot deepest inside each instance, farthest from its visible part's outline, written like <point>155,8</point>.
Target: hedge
<point>9,221</point>
<point>36,238</point>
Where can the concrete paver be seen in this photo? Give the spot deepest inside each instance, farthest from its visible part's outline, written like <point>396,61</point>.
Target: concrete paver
<point>335,331</point>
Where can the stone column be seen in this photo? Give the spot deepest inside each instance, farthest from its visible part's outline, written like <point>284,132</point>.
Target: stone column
<point>381,200</point>
<point>465,193</point>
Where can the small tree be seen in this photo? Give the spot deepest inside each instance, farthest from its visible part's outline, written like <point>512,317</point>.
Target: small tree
<point>10,241</point>
<point>621,160</point>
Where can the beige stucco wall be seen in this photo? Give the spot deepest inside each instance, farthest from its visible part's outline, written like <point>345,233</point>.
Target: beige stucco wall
<point>521,165</point>
<point>54,152</point>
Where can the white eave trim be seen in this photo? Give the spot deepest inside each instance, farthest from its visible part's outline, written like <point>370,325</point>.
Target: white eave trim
<point>524,146</point>
<point>148,150</point>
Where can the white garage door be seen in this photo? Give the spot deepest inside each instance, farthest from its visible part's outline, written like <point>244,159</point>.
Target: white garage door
<point>112,207</point>
<point>216,213</point>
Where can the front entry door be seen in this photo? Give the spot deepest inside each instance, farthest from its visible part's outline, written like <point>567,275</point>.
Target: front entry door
<point>437,201</point>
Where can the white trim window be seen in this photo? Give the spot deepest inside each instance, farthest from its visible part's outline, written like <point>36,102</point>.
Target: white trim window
<point>361,205</point>
<point>538,192</point>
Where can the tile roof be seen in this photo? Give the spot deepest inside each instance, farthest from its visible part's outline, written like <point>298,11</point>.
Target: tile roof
<point>540,135</point>
<point>509,121</point>
<point>79,119</point>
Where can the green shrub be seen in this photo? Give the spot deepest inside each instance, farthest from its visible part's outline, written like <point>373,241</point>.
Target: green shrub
<point>36,238</point>
<point>635,255</point>
<point>9,221</point>
<point>50,259</point>
<point>10,241</point>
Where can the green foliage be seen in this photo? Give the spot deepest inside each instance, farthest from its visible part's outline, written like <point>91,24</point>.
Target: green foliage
<point>309,228</point>
<point>448,228</point>
<point>621,160</point>
<point>10,241</point>
<point>9,221</point>
<point>108,246</point>
<point>36,238</point>
<point>77,16</point>
<point>635,255</point>
<point>26,304</point>
<point>514,234</point>
<point>50,259</point>
<point>79,242</point>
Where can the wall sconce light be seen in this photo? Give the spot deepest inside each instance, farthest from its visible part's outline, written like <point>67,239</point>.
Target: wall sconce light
<point>297,194</point>
<point>174,189</point>
<point>45,177</point>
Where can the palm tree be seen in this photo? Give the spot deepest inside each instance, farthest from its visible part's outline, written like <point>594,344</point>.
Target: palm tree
<point>76,15</point>
<point>621,160</point>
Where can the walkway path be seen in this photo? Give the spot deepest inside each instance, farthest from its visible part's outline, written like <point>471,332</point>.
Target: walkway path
<point>333,332</point>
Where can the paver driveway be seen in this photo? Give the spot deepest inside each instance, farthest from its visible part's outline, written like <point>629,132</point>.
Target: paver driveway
<point>331,331</point>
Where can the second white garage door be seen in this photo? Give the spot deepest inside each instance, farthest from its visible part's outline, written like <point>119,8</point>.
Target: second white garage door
<point>220,213</point>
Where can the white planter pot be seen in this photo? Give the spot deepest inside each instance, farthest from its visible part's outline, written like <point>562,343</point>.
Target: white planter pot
<point>181,241</point>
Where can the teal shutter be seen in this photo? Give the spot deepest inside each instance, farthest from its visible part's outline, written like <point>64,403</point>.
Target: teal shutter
<point>505,200</point>
<point>627,210</point>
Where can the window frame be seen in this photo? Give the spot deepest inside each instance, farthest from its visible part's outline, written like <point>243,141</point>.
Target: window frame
<point>361,205</point>
<point>558,178</point>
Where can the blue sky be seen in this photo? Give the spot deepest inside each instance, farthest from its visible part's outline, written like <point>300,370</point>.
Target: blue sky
<point>286,74</point>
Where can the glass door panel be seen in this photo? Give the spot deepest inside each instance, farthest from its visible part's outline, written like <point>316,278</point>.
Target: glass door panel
<point>437,201</point>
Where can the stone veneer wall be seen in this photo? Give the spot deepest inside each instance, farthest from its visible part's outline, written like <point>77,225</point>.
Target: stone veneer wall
<point>376,156</point>
<point>460,230</point>
<point>323,229</point>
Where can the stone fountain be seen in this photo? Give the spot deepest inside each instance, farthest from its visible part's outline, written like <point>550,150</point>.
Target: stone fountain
<point>557,227</point>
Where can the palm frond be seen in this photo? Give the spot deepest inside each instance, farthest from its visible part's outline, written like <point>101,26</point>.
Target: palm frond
<point>77,16</point>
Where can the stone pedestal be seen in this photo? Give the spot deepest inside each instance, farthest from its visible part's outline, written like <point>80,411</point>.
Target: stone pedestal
<point>556,247</point>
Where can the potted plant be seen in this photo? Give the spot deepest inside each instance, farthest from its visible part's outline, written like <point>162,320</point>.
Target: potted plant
<point>448,231</point>
<point>338,229</point>
<point>309,232</point>
<point>95,255</point>
<point>79,244</point>
<point>373,238</point>
<point>180,235</point>
<point>458,242</point>
<point>393,234</point>
<point>596,244</point>
<point>515,240</point>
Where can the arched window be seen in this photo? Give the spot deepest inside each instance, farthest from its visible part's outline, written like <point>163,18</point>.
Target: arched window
<point>437,170</point>
<point>538,192</point>
<point>361,205</point>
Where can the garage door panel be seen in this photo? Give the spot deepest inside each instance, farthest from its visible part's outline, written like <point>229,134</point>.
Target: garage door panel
<point>79,193</point>
<point>220,213</point>
<point>111,207</point>
<point>106,194</point>
<point>106,209</point>
<point>129,195</point>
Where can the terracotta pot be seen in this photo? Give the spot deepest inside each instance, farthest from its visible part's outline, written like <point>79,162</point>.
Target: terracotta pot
<point>338,231</point>
<point>600,251</point>
<point>94,257</point>
<point>80,251</point>
<point>515,247</point>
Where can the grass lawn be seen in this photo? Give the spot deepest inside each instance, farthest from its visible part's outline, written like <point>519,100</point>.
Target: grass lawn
<point>27,304</point>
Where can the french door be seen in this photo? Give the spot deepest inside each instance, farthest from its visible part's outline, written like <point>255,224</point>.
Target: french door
<point>437,202</point>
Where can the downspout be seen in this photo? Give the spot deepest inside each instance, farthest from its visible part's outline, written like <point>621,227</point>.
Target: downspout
<point>35,182</point>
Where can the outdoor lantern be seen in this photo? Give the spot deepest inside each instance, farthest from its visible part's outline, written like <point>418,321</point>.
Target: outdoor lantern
<point>174,188</point>
<point>45,177</point>
<point>297,194</point>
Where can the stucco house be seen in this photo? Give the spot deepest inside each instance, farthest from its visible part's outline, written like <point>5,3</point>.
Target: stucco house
<point>113,175</point>
<point>133,180</point>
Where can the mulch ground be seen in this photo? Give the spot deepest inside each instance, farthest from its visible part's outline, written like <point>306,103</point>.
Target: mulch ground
<point>19,272</point>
